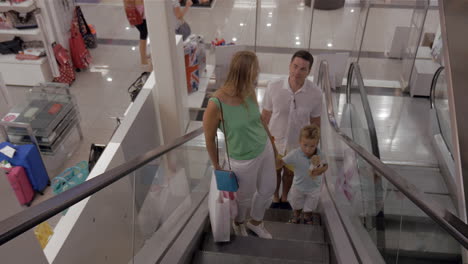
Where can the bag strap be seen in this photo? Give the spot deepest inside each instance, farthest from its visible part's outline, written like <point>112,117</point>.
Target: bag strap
<point>225,136</point>
<point>82,20</point>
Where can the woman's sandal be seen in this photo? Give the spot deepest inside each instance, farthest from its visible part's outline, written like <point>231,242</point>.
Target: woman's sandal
<point>295,220</point>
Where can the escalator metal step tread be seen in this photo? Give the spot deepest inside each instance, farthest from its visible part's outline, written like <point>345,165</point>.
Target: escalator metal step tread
<point>204,257</point>
<point>270,248</point>
<point>281,215</point>
<point>298,232</point>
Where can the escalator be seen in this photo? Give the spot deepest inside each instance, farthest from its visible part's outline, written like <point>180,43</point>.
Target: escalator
<point>368,213</point>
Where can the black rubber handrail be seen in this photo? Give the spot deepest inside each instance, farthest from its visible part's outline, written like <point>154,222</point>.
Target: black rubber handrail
<point>33,216</point>
<point>355,70</point>
<point>435,78</point>
<point>451,223</point>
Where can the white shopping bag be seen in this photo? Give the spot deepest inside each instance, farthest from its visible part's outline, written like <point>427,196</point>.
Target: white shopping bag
<point>220,213</point>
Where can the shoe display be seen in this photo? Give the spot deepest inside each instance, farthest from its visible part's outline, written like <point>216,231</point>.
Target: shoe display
<point>239,230</point>
<point>259,230</point>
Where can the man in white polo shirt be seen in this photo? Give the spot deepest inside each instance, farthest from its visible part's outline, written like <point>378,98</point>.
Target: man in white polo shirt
<point>290,104</point>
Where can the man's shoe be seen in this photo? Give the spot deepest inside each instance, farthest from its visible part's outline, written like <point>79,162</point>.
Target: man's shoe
<point>239,230</point>
<point>259,230</point>
<point>285,205</point>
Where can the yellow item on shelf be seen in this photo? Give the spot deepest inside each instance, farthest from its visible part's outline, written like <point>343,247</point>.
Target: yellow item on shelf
<point>43,232</point>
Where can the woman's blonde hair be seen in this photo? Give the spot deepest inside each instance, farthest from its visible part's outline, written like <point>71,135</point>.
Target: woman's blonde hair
<point>310,132</point>
<point>243,73</point>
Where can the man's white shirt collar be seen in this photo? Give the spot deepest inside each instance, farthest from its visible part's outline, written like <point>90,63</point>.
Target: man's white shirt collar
<point>287,87</point>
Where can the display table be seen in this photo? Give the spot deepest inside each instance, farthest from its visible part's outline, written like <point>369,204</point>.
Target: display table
<point>49,119</point>
<point>421,78</point>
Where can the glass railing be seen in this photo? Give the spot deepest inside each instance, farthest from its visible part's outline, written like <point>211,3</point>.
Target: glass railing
<point>388,219</point>
<point>439,101</point>
<point>129,214</point>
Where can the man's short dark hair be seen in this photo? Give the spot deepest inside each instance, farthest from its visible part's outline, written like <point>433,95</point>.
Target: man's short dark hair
<point>304,54</point>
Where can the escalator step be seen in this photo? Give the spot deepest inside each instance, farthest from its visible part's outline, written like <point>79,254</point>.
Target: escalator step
<point>204,257</point>
<point>281,215</point>
<point>270,248</point>
<point>295,231</point>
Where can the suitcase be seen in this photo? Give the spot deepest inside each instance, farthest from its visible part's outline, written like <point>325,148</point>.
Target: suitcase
<point>28,157</point>
<point>20,184</point>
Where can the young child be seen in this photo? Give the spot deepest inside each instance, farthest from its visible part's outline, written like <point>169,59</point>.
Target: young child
<point>309,165</point>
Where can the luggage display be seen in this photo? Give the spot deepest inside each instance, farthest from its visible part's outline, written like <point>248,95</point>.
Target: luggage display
<point>20,184</point>
<point>79,53</point>
<point>28,157</point>
<point>64,61</point>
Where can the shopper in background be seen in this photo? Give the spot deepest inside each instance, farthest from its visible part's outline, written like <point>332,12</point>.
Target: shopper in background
<point>290,104</point>
<point>182,27</point>
<point>252,155</point>
<point>135,11</point>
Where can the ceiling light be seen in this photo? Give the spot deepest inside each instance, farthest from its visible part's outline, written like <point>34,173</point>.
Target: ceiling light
<point>241,24</point>
<point>297,38</point>
<point>269,25</point>
<point>127,28</point>
<point>133,48</point>
<point>352,10</point>
<point>109,79</point>
<point>330,45</point>
<point>234,39</point>
<point>298,43</point>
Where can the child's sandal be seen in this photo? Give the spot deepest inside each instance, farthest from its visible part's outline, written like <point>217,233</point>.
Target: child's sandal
<point>295,220</point>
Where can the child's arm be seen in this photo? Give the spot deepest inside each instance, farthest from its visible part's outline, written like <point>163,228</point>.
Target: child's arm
<point>318,171</point>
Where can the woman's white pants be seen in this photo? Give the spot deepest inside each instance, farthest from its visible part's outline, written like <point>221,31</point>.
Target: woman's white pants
<point>257,183</point>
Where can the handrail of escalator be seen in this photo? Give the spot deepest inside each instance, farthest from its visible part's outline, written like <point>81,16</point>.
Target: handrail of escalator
<point>451,223</point>
<point>33,216</point>
<point>355,69</point>
<point>435,78</point>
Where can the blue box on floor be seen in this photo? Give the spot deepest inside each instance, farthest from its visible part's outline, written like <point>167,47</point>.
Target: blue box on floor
<point>28,156</point>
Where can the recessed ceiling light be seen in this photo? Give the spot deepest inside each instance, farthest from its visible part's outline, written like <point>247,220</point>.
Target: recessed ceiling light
<point>234,39</point>
<point>297,38</point>
<point>269,25</point>
<point>109,79</point>
<point>298,43</point>
<point>241,24</point>
<point>133,48</point>
<point>330,45</point>
<point>352,10</point>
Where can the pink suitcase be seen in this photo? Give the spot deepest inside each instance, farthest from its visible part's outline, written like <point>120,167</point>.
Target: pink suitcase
<point>20,183</point>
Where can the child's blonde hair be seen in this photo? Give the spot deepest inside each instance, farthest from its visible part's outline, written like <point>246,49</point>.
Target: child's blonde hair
<point>310,132</point>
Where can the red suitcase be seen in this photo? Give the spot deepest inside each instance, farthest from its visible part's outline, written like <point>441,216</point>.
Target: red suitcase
<point>20,183</point>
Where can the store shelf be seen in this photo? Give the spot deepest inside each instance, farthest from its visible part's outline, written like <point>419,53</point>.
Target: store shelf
<point>21,32</point>
<point>24,7</point>
<point>11,59</point>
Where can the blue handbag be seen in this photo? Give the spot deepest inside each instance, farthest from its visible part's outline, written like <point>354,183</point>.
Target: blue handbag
<point>226,180</point>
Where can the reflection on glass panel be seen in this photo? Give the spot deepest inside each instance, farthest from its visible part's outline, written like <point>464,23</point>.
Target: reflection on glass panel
<point>166,190</point>
<point>420,239</point>
<point>442,110</point>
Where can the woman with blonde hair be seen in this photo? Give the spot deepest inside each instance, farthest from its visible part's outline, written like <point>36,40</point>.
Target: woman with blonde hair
<point>251,153</point>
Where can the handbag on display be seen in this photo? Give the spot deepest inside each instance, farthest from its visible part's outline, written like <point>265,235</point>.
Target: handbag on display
<point>11,46</point>
<point>89,38</point>
<point>80,55</point>
<point>226,180</point>
<point>133,16</point>
<point>67,74</point>
<point>22,20</point>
